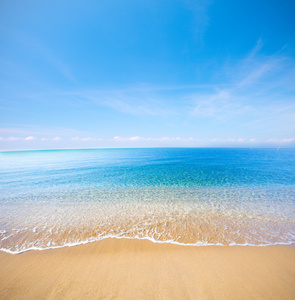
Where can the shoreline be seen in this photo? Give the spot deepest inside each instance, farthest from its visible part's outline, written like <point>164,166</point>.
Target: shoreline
<point>169,242</point>
<point>141,269</point>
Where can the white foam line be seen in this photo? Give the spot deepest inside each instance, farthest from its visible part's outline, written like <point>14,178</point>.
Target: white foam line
<point>198,244</point>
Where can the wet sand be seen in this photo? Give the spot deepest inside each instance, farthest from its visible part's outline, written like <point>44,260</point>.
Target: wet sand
<point>140,269</point>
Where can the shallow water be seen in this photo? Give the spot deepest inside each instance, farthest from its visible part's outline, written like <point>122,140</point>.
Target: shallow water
<point>188,196</point>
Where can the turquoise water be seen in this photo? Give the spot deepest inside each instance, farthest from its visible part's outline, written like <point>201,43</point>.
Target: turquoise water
<point>188,196</point>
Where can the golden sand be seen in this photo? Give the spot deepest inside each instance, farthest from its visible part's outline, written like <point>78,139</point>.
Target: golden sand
<point>140,269</point>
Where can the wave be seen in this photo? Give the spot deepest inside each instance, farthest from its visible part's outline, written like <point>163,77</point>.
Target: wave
<point>197,244</point>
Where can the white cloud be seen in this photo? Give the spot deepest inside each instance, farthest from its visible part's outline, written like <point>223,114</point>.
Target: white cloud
<point>86,139</point>
<point>13,138</point>
<point>91,139</point>
<point>134,138</point>
<point>30,138</point>
<point>55,139</point>
<point>241,140</point>
<point>230,140</point>
<point>288,140</point>
<point>122,139</point>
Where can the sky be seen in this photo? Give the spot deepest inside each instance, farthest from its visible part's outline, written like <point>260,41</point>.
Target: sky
<point>147,73</point>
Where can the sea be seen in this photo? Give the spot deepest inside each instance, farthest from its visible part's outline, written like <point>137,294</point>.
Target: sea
<point>186,196</point>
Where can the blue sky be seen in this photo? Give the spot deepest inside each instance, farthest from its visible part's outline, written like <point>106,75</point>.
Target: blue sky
<point>84,74</point>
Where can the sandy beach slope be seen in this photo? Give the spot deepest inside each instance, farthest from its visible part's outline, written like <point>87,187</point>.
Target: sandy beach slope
<point>140,269</point>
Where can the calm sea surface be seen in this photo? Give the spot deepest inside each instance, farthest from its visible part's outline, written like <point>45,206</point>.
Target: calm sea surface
<point>188,196</point>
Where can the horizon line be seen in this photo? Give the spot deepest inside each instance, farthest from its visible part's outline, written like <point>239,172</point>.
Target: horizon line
<point>167,147</point>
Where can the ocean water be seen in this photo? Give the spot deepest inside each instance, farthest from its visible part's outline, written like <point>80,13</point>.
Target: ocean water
<point>190,196</point>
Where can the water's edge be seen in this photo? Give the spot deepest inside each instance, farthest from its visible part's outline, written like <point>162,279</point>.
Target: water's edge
<point>199,244</point>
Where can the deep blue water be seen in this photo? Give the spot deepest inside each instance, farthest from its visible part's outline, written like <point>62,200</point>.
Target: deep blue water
<point>147,167</point>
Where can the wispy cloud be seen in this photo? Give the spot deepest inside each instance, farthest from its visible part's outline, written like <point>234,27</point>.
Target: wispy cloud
<point>247,85</point>
<point>13,138</point>
<point>250,86</point>
<point>256,95</point>
<point>54,139</point>
<point>256,74</point>
<point>30,138</point>
<point>256,87</point>
<point>260,71</point>
<point>132,100</point>
<point>276,140</point>
<point>251,140</point>
<point>217,104</point>
<point>289,140</point>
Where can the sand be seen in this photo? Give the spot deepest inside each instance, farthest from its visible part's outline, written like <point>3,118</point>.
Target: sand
<point>140,269</point>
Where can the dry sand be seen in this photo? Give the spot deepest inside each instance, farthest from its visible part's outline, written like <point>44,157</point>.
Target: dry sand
<point>140,269</point>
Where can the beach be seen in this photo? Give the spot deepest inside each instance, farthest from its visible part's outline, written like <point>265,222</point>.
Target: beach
<point>147,224</point>
<point>140,269</point>
<point>147,150</point>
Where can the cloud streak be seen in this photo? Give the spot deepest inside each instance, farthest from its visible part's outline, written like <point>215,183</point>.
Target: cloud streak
<point>251,83</point>
<point>276,140</point>
<point>151,139</point>
<point>132,101</point>
<point>255,95</point>
<point>13,138</point>
<point>232,140</point>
